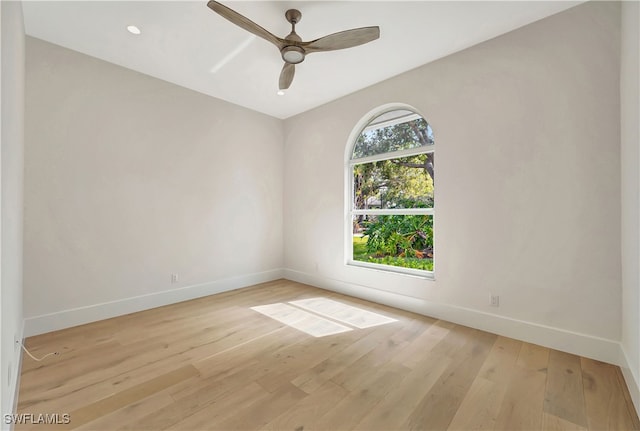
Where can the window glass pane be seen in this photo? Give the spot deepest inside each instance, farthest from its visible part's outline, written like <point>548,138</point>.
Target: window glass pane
<point>405,182</point>
<point>396,240</point>
<point>393,131</point>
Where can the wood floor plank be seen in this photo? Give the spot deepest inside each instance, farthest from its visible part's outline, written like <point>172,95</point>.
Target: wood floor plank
<point>129,396</point>
<point>499,365</point>
<point>349,411</point>
<point>223,408</point>
<point>480,407</point>
<point>398,404</point>
<point>358,373</point>
<point>310,409</point>
<point>440,404</point>
<point>554,423</point>
<point>204,398</point>
<point>248,352</point>
<point>628,400</point>
<point>533,357</point>
<point>255,365</point>
<point>291,361</point>
<point>410,328</point>
<point>261,412</point>
<point>66,352</point>
<point>314,378</point>
<point>431,336</point>
<point>521,407</point>
<point>564,394</point>
<point>129,413</point>
<point>604,399</point>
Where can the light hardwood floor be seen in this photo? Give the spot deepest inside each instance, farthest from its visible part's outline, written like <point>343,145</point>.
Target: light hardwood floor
<point>215,364</point>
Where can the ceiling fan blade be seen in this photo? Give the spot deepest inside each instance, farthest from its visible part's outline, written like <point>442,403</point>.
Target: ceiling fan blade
<point>343,39</point>
<point>286,76</point>
<point>245,23</point>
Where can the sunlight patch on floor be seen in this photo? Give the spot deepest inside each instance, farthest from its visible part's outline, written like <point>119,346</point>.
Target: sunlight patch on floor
<point>301,320</point>
<point>305,315</point>
<point>344,313</point>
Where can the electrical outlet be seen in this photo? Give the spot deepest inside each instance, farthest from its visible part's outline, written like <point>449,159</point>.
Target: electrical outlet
<point>495,300</point>
<point>174,278</point>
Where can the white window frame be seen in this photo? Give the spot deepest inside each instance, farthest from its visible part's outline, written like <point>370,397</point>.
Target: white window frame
<point>364,125</point>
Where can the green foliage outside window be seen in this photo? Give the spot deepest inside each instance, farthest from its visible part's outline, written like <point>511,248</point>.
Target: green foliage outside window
<point>398,240</point>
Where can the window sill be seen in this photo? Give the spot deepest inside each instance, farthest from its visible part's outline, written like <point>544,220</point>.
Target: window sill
<point>418,273</point>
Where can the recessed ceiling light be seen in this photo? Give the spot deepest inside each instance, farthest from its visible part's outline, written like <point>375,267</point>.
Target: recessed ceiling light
<point>133,29</point>
<point>280,93</point>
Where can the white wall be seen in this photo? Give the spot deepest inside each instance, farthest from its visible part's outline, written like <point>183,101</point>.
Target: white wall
<point>130,179</point>
<point>527,131</point>
<point>12,144</point>
<point>630,157</point>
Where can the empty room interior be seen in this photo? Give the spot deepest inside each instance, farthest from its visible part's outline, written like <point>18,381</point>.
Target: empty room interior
<point>224,215</point>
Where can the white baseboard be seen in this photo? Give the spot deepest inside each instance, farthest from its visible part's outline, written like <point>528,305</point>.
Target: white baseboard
<point>585,345</point>
<point>632,379</point>
<point>92,313</point>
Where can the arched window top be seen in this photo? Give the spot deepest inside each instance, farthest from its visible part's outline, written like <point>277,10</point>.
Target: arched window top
<point>392,131</point>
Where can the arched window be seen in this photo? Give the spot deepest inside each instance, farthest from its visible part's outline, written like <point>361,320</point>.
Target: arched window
<point>391,194</point>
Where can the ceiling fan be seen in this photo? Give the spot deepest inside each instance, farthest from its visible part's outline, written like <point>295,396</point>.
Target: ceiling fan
<point>292,48</point>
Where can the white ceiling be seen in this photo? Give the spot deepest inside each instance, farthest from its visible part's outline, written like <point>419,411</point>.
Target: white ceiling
<point>186,43</point>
